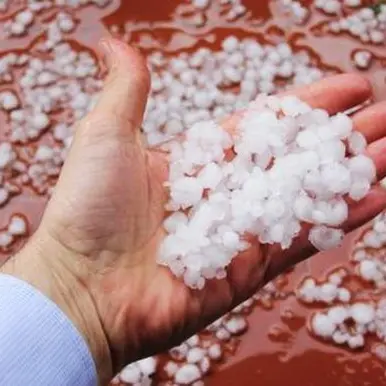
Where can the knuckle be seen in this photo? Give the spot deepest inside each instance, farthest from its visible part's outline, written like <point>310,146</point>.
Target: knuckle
<point>96,127</point>
<point>127,80</point>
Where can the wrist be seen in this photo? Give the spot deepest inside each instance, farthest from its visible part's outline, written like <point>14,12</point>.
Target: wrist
<point>60,276</point>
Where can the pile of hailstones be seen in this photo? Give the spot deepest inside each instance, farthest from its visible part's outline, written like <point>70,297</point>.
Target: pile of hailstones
<point>285,164</point>
<point>350,324</point>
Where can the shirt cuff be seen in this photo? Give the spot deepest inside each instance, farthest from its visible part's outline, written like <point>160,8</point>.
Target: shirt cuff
<point>39,345</point>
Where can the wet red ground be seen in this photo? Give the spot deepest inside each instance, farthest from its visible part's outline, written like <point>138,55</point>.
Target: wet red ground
<point>275,350</point>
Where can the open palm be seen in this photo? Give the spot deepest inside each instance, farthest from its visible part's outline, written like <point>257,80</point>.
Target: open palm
<point>106,214</point>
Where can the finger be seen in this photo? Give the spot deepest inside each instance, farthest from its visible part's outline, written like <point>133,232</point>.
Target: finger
<point>365,210</point>
<point>359,214</point>
<point>375,201</point>
<point>126,88</point>
<point>371,122</point>
<point>377,152</point>
<point>336,93</point>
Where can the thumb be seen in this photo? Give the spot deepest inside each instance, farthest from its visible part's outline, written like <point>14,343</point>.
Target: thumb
<point>101,137</point>
<point>122,102</point>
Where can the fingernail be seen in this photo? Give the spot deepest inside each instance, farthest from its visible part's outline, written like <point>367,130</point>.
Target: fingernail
<point>107,51</point>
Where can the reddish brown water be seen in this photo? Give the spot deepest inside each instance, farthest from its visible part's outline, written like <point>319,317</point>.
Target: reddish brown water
<point>277,348</point>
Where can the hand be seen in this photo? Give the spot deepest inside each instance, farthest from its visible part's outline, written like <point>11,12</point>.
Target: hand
<point>97,244</point>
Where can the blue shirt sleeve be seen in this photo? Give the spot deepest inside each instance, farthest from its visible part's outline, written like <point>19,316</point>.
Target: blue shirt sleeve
<point>39,345</point>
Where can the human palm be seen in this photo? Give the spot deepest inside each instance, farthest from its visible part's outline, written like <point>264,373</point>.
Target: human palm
<point>106,214</point>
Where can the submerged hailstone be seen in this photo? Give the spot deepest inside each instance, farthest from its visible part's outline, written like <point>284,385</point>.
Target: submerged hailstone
<point>285,165</point>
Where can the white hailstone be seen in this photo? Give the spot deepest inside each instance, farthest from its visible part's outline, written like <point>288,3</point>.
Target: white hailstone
<point>379,224</point>
<point>336,278</point>
<point>252,49</point>
<point>368,269</point>
<point>25,17</point>
<point>204,365</point>
<point>61,132</point>
<point>352,3</point>
<point>286,69</point>
<point>6,239</point>
<point>379,350</point>
<point>195,355</point>
<point>193,341</point>
<point>232,240</point>
<point>173,221</point>
<point>356,341</point>
<point>17,226</point>
<point>339,337</point>
<point>230,44</point>
<point>4,5</point>
<point>4,195</point>
<point>322,325</point>
<point>210,176</point>
<point>215,351</point>
<point>7,154</point>
<point>303,207</point>
<point>232,74</point>
<point>171,368</point>
<point>235,324</point>
<point>179,352</point>
<point>344,295</point>
<point>362,313</point>
<point>362,59</point>
<point>295,9</point>
<point>8,100</point>
<point>334,27</point>
<point>44,153</point>
<point>377,37</point>
<point>236,59</point>
<point>366,13</point>
<point>284,50</point>
<point>65,22</point>
<point>187,191</point>
<point>372,239</point>
<point>342,124</point>
<point>360,255</point>
<point>308,140</point>
<point>338,314</point>
<point>38,6</point>
<point>44,78</point>
<point>131,374</point>
<point>329,6</point>
<point>357,143</point>
<point>359,189</point>
<point>362,166</point>
<point>323,238</point>
<point>148,365</point>
<point>332,213</point>
<point>223,334</point>
<point>292,106</point>
<point>328,292</point>
<point>308,290</point>
<point>18,29</point>
<point>40,121</point>
<point>200,3</point>
<point>187,374</point>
